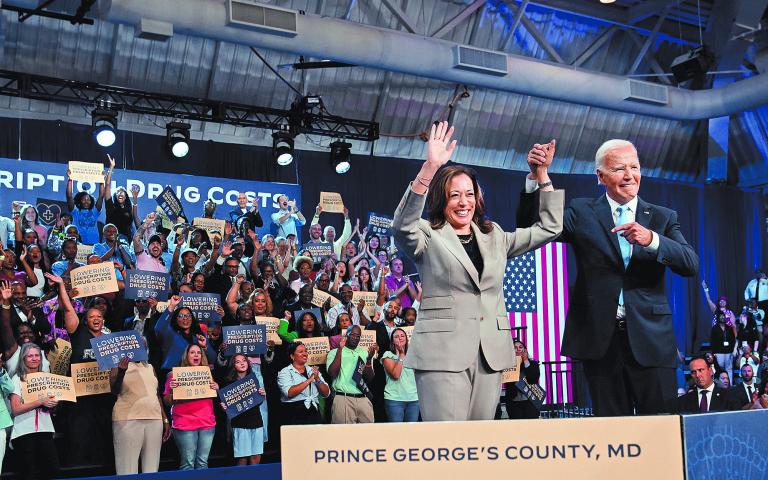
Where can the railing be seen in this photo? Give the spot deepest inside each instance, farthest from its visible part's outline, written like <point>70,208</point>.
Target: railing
<point>566,387</point>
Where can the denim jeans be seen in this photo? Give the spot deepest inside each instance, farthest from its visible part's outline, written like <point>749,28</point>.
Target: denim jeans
<point>398,411</point>
<point>194,447</point>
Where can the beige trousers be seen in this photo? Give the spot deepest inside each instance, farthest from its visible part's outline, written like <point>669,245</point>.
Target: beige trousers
<point>351,410</point>
<point>458,396</point>
<point>134,439</point>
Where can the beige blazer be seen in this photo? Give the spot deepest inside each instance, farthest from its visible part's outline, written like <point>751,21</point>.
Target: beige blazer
<point>461,313</point>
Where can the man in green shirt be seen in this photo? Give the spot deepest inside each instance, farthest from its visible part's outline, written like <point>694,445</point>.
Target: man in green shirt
<point>350,405</point>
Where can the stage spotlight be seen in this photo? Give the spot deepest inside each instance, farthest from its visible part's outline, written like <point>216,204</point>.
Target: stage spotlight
<point>340,156</point>
<point>282,147</point>
<point>177,136</point>
<point>104,125</point>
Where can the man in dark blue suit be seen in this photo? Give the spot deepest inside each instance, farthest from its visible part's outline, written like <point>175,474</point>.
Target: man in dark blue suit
<point>704,396</point>
<point>619,322</point>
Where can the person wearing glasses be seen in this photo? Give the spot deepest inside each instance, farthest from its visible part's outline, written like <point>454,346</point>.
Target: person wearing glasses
<point>176,329</point>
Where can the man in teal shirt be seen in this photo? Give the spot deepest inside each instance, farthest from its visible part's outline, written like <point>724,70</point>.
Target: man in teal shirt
<point>350,404</point>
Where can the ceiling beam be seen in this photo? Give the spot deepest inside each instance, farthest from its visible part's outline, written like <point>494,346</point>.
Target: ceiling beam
<point>648,42</point>
<point>595,46</point>
<point>400,15</point>
<point>648,8</point>
<point>460,17</point>
<point>615,16</point>
<point>652,62</point>
<point>515,23</point>
<point>538,36</point>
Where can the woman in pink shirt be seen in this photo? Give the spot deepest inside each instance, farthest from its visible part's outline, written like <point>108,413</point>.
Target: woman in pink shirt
<point>193,421</point>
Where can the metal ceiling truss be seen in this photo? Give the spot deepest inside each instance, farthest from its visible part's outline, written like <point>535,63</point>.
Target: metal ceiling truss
<point>638,18</point>
<point>50,89</point>
<point>40,11</point>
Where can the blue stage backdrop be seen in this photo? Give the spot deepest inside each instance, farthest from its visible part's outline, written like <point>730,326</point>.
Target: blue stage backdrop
<point>43,184</point>
<point>726,445</point>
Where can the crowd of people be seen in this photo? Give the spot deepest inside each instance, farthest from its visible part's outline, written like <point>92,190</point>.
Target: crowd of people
<point>267,276</point>
<point>254,276</point>
<point>736,362</point>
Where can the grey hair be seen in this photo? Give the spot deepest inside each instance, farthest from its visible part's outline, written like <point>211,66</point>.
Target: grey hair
<point>266,237</point>
<point>22,369</point>
<point>606,147</point>
<point>326,229</point>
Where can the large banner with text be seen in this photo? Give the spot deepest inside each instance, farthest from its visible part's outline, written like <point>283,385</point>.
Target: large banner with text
<point>43,184</point>
<point>635,448</point>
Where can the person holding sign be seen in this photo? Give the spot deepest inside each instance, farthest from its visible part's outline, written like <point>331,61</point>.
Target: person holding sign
<point>139,424</point>
<point>300,387</point>
<point>350,404</point>
<point>176,328</point>
<point>120,211</point>
<point>329,233</point>
<point>516,403</point>
<point>85,212</point>
<point>88,421</point>
<point>400,397</point>
<point>32,433</point>
<point>247,428</point>
<point>462,340</point>
<point>193,421</point>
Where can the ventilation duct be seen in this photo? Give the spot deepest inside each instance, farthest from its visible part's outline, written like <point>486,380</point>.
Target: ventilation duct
<point>397,51</point>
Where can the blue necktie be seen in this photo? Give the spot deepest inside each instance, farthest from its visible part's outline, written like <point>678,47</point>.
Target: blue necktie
<point>626,248</point>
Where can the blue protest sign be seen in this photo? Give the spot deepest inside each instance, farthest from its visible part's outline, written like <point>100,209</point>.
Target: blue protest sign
<point>109,349</point>
<point>358,376</point>
<point>170,203</point>
<point>249,340</point>
<point>141,284</point>
<point>241,396</point>
<point>380,224</point>
<point>319,250</point>
<point>203,306</point>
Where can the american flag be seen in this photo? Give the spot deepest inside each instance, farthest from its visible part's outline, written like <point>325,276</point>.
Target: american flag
<point>536,297</point>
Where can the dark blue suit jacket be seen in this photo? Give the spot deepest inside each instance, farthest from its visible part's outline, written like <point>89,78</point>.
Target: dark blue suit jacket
<point>601,275</point>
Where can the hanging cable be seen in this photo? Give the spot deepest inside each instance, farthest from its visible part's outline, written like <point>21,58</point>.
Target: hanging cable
<point>266,63</point>
<point>698,13</point>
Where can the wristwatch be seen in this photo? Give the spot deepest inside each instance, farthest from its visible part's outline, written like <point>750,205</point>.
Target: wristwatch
<point>545,184</point>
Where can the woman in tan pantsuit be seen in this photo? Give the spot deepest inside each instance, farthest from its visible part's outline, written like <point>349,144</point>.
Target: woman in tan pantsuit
<point>462,339</point>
